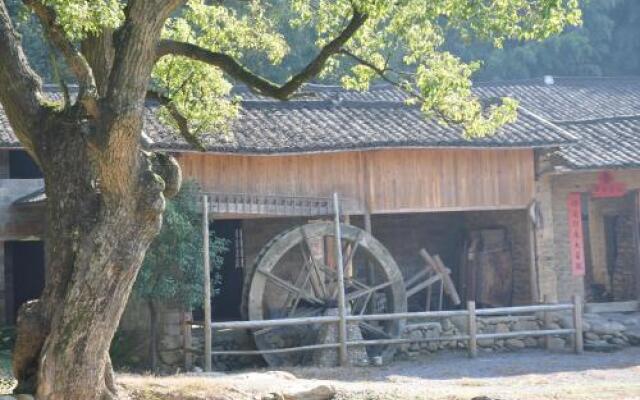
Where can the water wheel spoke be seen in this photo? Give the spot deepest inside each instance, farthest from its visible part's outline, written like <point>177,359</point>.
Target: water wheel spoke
<point>291,288</point>
<point>379,332</point>
<point>354,247</point>
<point>317,280</point>
<point>365,303</point>
<point>299,283</point>
<point>364,292</point>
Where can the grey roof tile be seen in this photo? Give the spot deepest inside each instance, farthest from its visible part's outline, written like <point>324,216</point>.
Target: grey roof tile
<point>328,118</point>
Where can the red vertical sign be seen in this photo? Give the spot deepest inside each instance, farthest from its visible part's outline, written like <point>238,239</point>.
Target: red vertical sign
<point>576,242</point>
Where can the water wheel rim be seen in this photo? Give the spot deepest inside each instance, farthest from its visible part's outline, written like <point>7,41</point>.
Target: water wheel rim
<point>277,249</point>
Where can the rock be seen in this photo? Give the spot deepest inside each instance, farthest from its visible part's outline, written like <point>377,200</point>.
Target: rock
<point>553,326</point>
<point>502,328</point>
<point>530,342</point>
<point>322,392</point>
<point>525,326</point>
<point>600,346</point>
<point>485,342</point>
<point>515,344</point>
<point>591,336</point>
<point>618,341</point>
<point>556,343</point>
<point>602,327</point>
<point>633,335</point>
<point>447,324</point>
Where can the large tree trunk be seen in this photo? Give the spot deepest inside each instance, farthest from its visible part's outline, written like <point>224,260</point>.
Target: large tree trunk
<point>104,206</point>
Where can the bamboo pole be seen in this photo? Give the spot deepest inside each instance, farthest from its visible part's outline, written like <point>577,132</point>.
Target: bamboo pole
<point>473,329</point>
<point>207,284</point>
<point>577,324</point>
<point>342,307</point>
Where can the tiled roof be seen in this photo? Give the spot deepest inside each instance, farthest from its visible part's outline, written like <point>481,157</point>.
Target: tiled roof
<point>334,120</point>
<point>327,118</point>
<point>602,113</point>
<point>604,143</point>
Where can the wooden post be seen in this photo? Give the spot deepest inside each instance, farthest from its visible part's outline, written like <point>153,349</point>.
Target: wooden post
<point>342,307</point>
<point>577,324</point>
<point>206,301</point>
<point>547,323</point>
<point>186,341</point>
<point>473,328</point>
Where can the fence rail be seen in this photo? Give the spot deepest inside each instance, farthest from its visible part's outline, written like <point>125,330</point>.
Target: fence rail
<point>471,336</point>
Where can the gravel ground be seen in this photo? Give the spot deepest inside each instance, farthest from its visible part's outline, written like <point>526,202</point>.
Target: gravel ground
<point>530,375</point>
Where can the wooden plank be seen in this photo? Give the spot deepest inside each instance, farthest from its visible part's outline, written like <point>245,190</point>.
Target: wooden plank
<point>269,323</point>
<point>274,351</point>
<point>615,306</point>
<point>547,322</point>
<point>342,304</point>
<point>394,180</point>
<point>506,335</point>
<point>206,306</point>
<point>524,309</point>
<point>577,324</point>
<point>472,329</point>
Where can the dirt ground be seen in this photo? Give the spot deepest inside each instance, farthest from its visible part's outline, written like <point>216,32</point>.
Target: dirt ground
<point>530,375</point>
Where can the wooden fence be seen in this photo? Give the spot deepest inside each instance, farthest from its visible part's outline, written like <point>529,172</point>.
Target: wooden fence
<point>471,336</point>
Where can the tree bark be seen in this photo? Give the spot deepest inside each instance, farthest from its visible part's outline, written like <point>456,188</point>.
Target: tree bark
<point>98,230</point>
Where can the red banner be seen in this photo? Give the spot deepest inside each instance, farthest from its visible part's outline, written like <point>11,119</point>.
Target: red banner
<point>576,241</point>
<point>608,187</point>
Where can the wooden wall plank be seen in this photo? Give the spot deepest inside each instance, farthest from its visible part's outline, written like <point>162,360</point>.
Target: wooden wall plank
<point>402,180</point>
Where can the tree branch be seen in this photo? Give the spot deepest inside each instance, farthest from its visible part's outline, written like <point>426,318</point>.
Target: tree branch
<point>20,88</point>
<point>134,55</point>
<point>88,94</point>
<point>181,120</point>
<point>237,71</point>
<point>404,86</point>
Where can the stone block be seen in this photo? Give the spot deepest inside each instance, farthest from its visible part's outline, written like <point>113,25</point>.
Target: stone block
<point>515,344</point>
<point>556,343</point>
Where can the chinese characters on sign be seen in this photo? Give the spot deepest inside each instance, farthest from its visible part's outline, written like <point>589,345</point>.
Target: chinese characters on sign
<point>607,187</point>
<point>576,243</point>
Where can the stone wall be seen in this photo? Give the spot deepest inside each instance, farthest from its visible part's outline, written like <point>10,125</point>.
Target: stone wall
<point>133,336</point>
<point>554,269</point>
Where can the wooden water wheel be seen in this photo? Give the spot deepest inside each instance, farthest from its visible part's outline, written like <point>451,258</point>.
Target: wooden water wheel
<point>295,276</point>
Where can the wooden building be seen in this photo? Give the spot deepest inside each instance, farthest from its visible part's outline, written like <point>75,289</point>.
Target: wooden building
<point>413,182</point>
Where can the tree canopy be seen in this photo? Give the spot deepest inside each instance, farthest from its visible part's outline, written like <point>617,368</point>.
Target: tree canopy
<point>400,42</point>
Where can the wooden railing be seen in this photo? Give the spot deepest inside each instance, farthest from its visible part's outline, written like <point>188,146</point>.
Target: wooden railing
<point>471,336</point>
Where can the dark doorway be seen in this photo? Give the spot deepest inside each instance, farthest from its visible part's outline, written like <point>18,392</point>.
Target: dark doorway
<point>228,296</point>
<point>21,166</point>
<point>24,263</point>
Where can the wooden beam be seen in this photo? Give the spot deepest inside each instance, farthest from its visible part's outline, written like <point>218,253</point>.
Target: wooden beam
<point>342,304</point>
<point>577,324</point>
<point>207,284</point>
<point>472,328</point>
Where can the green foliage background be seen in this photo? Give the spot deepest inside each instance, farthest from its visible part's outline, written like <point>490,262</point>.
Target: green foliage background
<point>608,43</point>
<point>172,269</point>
